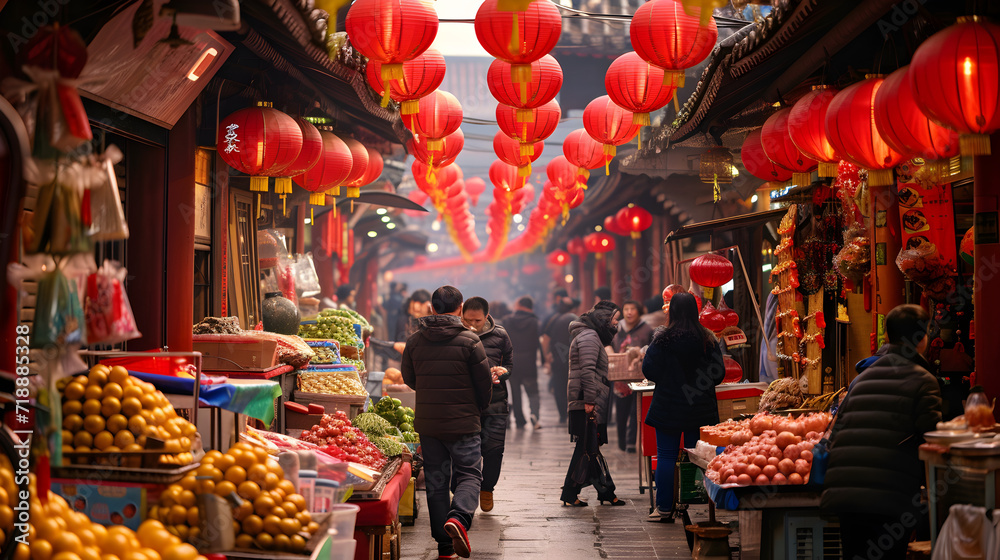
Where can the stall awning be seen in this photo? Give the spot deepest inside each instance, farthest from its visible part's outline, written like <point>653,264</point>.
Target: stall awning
<point>725,224</point>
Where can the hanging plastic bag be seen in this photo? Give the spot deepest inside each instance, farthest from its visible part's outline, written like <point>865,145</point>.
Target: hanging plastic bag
<point>107,218</point>
<point>58,227</point>
<point>108,312</point>
<point>306,278</point>
<point>59,318</point>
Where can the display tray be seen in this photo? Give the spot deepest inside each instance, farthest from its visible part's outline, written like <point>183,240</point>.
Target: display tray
<point>948,437</point>
<point>375,492</point>
<point>980,447</point>
<point>314,541</point>
<point>123,474</point>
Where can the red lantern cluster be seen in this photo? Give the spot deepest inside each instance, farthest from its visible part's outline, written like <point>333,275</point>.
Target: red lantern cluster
<point>509,151</point>
<point>538,127</point>
<point>780,149</point>
<point>546,80</point>
<point>903,125</point>
<point>807,129</point>
<point>421,76</point>
<point>519,37</point>
<point>259,141</point>
<point>850,126</point>
<point>391,32</point>
<point>665,34</point>
<point>634,220</point>
<point>584,152</point>
<point>440,114</point>
<point>333,168</point>
<point>757,163</point>
<point>609,124</point>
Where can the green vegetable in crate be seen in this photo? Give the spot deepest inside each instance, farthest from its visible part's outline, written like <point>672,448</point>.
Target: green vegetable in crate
<point>372,424</point>
<point>406,427</point>
<point>340,329</point>
<point>411,437</point>
<point>388,447</point>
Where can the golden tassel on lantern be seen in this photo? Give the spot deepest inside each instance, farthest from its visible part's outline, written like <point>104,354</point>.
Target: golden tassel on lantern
<point>974,144</point>
<point>435,144</point>
<point>610,150</point>
<point>827,169</point>
<point>317,198</point>
<point>515,36</point>
<point>258,183</point>
<point>391,72</point>
<point>385,96</point>
<point>521,74</point>
<point>880,177</point>
<point>801,178</point>
<point>716,190</point>
<point>527,149</point>
<point>410,107</point>
<point>524,170</point>
<point>641,119</point>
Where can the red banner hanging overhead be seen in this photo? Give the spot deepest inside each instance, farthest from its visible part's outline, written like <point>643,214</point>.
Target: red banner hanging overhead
<point>927,217</point>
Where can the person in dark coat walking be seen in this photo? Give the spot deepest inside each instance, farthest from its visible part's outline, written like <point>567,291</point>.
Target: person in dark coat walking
<point>476,316</point>
<point>588,395</point>
<point>633,332</point>
<point>555,345</point>
<point>874,475</point>
<point>522,327</point>
<point>446,364</point>
<point>685,362</point>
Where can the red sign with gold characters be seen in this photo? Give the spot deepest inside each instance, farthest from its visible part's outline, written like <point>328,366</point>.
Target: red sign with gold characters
<point>927,216</point>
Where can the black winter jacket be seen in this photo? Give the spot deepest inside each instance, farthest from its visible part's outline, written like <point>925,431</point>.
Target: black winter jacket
<point>522,328</point>
<point>874,465</point>
<point>500,353</point>
<point>446,365</point>
<point>640,335</point>
<point>685,373</point>
<point>588,371</point>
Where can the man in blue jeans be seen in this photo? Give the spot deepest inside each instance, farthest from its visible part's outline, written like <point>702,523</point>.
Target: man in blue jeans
<point>445,363</point>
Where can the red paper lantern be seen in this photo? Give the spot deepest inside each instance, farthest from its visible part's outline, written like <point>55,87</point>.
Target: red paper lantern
<point>333,167</point>
<point>850,125</point>
<point>475,186</point>
<point>710,271</point>
<point>634,220</point>
<point>584,152</point>
<point>757,163</point>
<point>807,129</point>
<point>391,32</point>
<point>374,170</point>
<point>520,37</point>
<point>259,141</point>
<point>543,123</point>
<point>599,243</point>
<point>664,34</point>
<point>780,149</point>
<point>421,76</point>
<point>562,173</point>
<point>546,80</point>
<point>637,86</point>
<point>576,199</point>
<point>309,156</point>
<point>611,226</point>
<point>505,176</point>
<point>509,151</point>
<point>558,258</point>
<point>359,156</point>
<point>450,148</point>
<point>956,81</point>
<point>903,125</point>
<point>440,114</point>
<point>609,124</point>
<point>575,246</point>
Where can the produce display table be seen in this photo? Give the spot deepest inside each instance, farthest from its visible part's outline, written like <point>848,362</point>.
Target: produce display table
<point>379,519</point>
<point>952,479</point>
<point>646,445</point>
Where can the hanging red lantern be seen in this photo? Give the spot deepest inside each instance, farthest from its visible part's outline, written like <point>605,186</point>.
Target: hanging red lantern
<point>584,152</point>
<point>546,80</point>
<point>610,125</point>
<point>710,271</point>
<point>575,246</point>
<point>905,128</point>
<point>558,258</point>
<point>421,76</point>
<point>505,176</point>
<point>611,226</point>
<point>309,156</point>
<point>850,125</point>
<point>710,318</point>
<point>757,163</point>
<point>440,114</point>
<point>543,123</point>
<point>359,157</point>
<point>955,76</point>
<point>451,147</point>
<point>259,141</point>
<point>562,173</point>
<point>780,149</point>
<point>518,37</point>
<point>509,151</point>
<point>333,167</point>
<point>475,186</point>
<point>576,198</point>
<point>374,170</point>
<point>807,129</point>
<point>637,86</point>
<point>634,220</point>
<point>391,32</point>
<point>664,34</point>
<point>599,243</point>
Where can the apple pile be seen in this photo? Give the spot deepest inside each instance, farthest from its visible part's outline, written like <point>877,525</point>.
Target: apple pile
<point>771,450</point>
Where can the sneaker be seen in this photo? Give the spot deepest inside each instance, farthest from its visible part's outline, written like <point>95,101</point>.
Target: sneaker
<point>486,500</point>
<point>535,423</point>
<point>450,557</point>
<point>660,516</point>
<point>459,538</point>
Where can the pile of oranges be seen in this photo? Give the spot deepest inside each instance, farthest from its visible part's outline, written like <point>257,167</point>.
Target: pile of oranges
<point>56,532</point>
<point>272,515</point>
<point>110,411</point>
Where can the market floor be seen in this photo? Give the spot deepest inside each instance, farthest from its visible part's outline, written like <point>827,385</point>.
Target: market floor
<point>529,521</point>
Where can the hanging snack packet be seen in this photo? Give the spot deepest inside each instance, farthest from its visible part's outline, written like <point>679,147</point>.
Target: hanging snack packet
<point>59,318</point>
<point>108,312</point>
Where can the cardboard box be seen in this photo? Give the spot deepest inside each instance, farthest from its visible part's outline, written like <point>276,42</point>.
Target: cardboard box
<point>252,355</point>
<point>109,503</point>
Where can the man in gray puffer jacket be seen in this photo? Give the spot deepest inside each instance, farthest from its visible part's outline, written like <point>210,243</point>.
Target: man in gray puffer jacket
<point>588,393</point>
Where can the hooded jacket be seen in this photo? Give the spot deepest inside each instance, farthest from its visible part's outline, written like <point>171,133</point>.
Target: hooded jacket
<point>685,373</point>
<point>874,465</point>
<point>522,328</point>
<point>446,365</point>
<point>588,371</point>
<point>500,352</point>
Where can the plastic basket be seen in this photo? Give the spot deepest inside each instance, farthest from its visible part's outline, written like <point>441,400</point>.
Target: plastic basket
<point>691,489</point>
<point>618,368</point>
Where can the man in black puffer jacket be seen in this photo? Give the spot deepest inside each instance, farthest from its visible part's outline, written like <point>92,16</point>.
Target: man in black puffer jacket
<point>874,475</point>
<point>446,365</point>
<point>476,316</point>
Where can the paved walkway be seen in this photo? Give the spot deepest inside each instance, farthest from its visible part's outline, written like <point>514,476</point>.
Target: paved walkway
<point>529,521</point>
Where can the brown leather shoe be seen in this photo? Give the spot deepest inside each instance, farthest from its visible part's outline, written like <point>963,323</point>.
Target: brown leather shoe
<point>486,501</point>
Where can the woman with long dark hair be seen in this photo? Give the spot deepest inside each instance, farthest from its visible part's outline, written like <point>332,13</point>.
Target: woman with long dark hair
<point>685,362</point>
